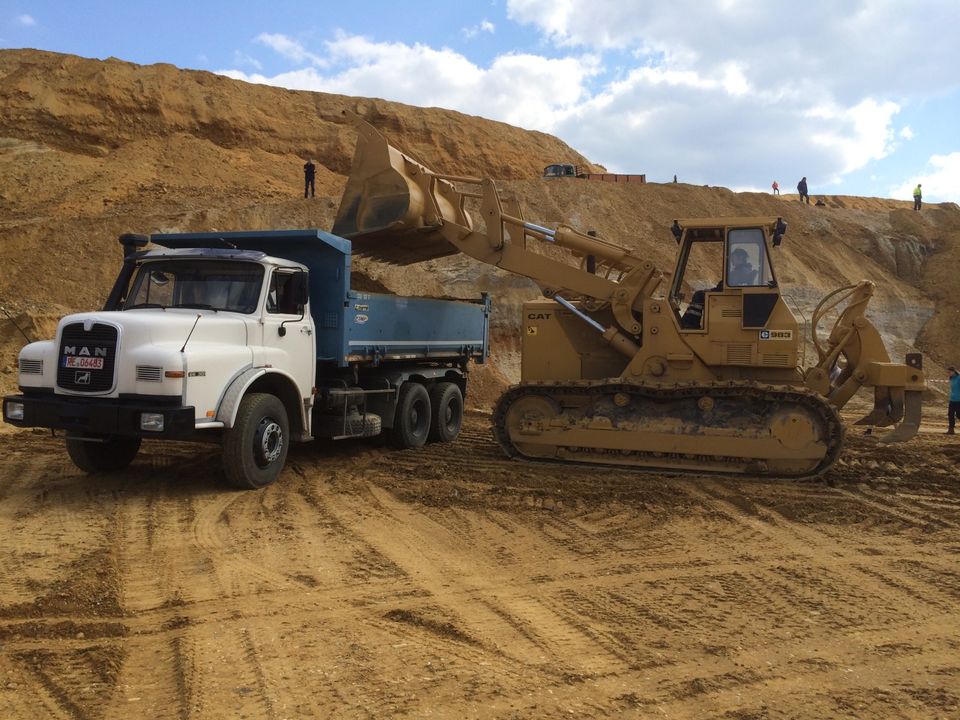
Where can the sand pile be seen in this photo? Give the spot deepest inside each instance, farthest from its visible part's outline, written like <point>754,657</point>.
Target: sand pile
<point>91,149</point>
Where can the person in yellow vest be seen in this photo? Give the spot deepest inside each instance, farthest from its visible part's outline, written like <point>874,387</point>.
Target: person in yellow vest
<point>917,197</point>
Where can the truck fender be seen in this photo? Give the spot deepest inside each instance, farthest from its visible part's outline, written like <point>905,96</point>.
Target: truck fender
<point>230,403</point>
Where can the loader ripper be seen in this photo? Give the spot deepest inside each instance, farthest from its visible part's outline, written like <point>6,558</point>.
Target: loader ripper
<point>705,377</point>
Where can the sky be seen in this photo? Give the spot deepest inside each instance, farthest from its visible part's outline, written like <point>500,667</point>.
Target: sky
<point>861,98</point>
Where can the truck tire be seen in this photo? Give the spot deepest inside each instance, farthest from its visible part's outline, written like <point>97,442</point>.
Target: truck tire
<point>446,415</point>
<point>255,448</point>
<point>411,426</point>
<point>114,453</point>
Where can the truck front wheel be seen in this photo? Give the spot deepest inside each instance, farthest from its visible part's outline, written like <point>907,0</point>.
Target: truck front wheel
<point>446,402</point>
<point>102,454</point>
<point>255,448</point>
<point>411,426</point>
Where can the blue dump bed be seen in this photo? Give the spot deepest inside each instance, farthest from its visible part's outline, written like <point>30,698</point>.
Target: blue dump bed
<point>354,326</point>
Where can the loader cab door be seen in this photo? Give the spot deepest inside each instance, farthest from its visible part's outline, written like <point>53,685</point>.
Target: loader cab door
<point>698,276</point>
<point>749,270</point>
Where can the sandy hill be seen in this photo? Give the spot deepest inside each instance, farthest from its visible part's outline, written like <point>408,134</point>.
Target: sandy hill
<point>90,149</point>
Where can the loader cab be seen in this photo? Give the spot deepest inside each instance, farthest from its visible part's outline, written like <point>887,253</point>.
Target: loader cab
<point>723,269</point>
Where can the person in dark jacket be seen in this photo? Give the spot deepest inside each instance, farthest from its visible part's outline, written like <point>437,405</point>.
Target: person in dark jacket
<point>953,409</point>
<point>309,176</point>
<point>802,189</point>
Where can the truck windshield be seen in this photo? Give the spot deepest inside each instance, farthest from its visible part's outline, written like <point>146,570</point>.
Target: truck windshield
<point>206,284</point>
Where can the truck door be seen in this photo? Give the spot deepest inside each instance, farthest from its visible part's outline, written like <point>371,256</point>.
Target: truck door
<point>288,336</point>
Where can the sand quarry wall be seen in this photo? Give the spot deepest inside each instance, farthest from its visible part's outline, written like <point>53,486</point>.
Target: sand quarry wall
<point>90,149</point>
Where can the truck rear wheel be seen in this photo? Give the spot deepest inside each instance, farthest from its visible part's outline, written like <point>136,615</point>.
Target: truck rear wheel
<point>411,426</point>
<point>446,416</point>
<point>255,448</point>
<point>93,456</point>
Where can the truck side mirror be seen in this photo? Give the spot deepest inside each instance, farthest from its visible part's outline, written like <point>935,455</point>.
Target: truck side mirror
<point>302,290</point>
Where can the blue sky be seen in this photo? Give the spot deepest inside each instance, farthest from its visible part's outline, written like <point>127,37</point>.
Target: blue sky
<point>862,98</point>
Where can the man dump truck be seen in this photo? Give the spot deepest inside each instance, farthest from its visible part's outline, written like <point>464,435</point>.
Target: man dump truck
<point>254,339</point>
<point>613,373</point>
<point>569,170</point>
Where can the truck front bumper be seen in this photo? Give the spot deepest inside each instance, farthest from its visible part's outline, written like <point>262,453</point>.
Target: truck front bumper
<point>101,416</point>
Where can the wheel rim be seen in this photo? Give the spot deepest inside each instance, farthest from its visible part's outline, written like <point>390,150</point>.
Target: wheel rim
<point>419,417</point>
<point>267,442</point>
<point>451,416</point>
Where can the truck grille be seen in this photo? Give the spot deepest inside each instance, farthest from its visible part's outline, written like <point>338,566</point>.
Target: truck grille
<point>31,367</point>
<point>149,373</point>
<point>100,343</point>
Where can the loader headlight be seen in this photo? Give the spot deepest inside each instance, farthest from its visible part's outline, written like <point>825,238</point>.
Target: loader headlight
<point>151,422</point>
<point>13,410</point>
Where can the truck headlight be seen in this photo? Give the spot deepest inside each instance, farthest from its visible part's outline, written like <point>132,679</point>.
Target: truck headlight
<point>13,410</point>
<point>152,422</point>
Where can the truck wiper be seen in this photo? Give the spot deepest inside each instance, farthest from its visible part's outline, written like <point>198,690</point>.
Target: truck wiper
<point>143,305</point>
<point>197,306</point>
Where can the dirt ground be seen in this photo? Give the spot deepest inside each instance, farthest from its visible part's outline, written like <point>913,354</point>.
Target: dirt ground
<point>451,582</point>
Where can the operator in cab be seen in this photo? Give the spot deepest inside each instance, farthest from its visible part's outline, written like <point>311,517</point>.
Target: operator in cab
<point>740,271</point>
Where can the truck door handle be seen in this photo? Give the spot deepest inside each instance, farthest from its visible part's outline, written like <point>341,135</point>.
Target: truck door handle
<point>305,330</point>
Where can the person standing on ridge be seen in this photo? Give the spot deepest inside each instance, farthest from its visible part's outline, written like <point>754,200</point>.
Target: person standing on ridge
<point>309,176</point>
<point>917,197</point>
<point>802,189</point>
<point>953,409</point>
<point>776,187</point>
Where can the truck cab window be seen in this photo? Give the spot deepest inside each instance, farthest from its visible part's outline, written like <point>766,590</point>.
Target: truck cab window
<point>201,284</point>
<point>282,297</point>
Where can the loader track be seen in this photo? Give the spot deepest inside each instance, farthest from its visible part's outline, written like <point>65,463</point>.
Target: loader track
<point>724,427</point>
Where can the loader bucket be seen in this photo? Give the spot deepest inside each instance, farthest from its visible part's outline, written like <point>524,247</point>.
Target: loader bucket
<point>393,208</point>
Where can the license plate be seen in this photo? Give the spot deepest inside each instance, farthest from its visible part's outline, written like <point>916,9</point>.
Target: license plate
<point>84,363</point>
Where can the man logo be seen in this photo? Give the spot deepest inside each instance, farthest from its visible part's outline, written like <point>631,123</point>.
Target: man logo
<point>81,378</point>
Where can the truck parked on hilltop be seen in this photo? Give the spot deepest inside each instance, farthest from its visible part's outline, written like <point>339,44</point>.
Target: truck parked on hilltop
<point>557,170</point>
<point>254,339</point>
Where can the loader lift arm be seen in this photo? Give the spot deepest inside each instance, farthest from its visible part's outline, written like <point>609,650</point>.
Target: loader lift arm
<point>420,214</point>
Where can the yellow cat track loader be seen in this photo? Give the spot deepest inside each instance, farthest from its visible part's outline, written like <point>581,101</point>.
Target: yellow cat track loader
<point>705,378</point>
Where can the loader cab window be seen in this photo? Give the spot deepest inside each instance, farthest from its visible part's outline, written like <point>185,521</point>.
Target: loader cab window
<point>747,262</point>
<point>699,271</point>
<point>285,294</point>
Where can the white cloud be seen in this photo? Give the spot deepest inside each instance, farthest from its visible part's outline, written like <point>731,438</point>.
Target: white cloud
<point>526,90</point>
<point>940,180</point>
<point>717,91</point>
<point>243,59</point>
<point>290,49</point>
<point>474,30</point>
<point>26,20</point>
